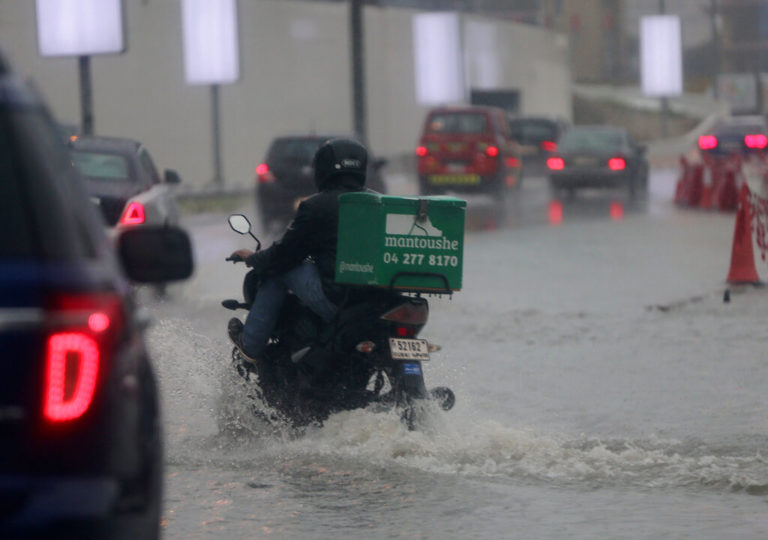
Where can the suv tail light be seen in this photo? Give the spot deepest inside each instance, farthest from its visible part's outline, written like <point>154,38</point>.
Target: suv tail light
<point>263,174</point>
<point>756,142</point>
<point>133,215</point>
<point>617,163</point>
<point>556,163</point>
<point>83,331</point>
<point>707,142</point>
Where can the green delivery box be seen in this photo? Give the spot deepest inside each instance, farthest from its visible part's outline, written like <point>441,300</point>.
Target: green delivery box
<point>408,243</point>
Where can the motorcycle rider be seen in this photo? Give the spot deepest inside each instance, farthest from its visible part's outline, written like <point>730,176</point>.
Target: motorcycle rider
<point>304,259</point>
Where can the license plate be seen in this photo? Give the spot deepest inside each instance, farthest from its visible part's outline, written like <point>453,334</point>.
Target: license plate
<point>409,349</point>
<point>585,161</point>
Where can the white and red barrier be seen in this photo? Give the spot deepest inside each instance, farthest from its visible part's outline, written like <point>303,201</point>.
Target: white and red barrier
<point>750,235</point>
<point>710,183</point>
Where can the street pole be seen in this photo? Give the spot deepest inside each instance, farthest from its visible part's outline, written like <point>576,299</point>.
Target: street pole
<point>715,48</point>
<point>86,96</point>
<point>664,99</point>
<point>357,58</point>
<point>218,179</point>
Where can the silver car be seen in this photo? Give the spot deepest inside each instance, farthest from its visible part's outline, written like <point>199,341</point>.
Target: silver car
<point>122,180</point>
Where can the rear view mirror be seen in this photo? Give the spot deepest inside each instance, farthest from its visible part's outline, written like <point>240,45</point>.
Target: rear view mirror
<point>172,177</point>
<point>240,223</point>
<point>155,254</point>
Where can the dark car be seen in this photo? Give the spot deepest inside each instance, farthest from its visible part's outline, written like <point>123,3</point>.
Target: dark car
<point>122,180</point>
<point>537,138</point>
<point>598,157</point>
<point>80,431</point>
<point>738,135</point>
<point>467,150</point>
<point>286,176</point>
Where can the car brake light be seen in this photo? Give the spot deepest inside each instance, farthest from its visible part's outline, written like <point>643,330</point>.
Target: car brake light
<point>492,151</point>
<point>556,163</point>
<point>617,164</point>
<point>756,142</point>
<point>408,313</point>
<point>84,327</point>
<point>263,174</point>
<point>133,215</point>
<point>421,151</point>
<point>548,146</point>
<point>707,142</point>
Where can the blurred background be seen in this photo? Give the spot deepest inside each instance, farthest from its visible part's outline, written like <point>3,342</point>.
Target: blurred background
<point>348,66</point>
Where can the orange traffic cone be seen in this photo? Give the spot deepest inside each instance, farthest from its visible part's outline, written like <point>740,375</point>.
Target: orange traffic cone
<point>743,268</point>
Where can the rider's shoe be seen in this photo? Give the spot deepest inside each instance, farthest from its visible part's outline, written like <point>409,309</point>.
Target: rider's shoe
<point>235,332</point>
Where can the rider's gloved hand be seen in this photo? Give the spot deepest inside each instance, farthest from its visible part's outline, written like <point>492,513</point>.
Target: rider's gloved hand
<point>241,255</point>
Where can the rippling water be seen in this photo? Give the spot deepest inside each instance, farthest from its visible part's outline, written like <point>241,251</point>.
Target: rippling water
<point>622,400</point>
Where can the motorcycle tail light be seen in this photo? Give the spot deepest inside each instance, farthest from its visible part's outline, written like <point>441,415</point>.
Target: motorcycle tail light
<point>408,313</point>
<point>421,151</point>
<point>134,214</point>
<point>405,331</point>
<point>83,329</point>
<point>492,151</point>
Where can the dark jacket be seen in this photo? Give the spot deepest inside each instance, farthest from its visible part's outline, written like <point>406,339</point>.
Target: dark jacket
<point>312,233</point>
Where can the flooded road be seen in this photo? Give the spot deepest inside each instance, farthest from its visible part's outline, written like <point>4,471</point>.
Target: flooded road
<point>603,390</point>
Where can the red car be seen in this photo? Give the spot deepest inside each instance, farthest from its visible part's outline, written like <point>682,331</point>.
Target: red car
<point>468,150</point>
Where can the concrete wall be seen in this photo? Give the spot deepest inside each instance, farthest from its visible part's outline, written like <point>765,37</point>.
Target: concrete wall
<point>294,78</point>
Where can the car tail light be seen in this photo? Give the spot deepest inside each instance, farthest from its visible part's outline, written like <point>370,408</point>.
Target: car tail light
<point>548,146</point>
<point>556,163</point>
<point>707,142</point>
<point>492,151</point>
<point>421,151</point>
<point>408,313</point>
<point>756,142</point>
<point>133,215</point>
<point>617,164</point>
<point>83,329</point>
<point>263,174</point>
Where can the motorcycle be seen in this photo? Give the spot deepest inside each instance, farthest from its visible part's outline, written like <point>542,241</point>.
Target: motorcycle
<point>369,356</point>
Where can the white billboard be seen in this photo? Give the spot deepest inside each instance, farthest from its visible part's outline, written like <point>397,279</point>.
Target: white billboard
<point>211,54</point>
<point>661,55</point>
<point>79,27</point>
<point>438,58</point>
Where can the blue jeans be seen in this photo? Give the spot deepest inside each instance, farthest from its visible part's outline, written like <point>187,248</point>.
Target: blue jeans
<point>304,281</point>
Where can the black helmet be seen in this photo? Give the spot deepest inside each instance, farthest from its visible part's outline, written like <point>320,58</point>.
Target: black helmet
<point>339,159</point>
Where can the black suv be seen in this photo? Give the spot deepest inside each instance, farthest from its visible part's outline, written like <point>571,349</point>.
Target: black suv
<point>80,431</point>
<point>285,177</point>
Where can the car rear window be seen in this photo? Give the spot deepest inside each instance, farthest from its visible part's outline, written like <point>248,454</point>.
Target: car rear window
<point>453,122</point>
<point>302,150</point>
<point>589,139</point>
<point>102,165</point>
<point>532,131</point>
